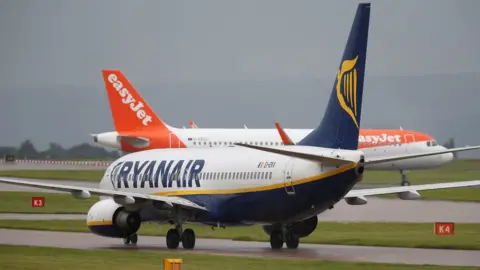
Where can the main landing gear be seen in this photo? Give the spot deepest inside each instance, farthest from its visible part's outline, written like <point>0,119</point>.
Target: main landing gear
<point>174,236</point>
<point>131,239</point>
<point>278,237</point>
<point>404,178</point>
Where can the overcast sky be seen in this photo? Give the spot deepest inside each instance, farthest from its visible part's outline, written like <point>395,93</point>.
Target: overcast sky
<point>194,59</point>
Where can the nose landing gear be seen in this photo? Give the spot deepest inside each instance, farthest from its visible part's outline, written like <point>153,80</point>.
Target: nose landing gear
<point>404,182</point>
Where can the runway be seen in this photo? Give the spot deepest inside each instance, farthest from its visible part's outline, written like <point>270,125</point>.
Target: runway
<point>253,249</point>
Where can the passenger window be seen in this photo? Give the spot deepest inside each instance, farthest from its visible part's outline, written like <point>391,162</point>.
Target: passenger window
<point>428,143</point>
<point>270,176</point>
<point>262,175</point>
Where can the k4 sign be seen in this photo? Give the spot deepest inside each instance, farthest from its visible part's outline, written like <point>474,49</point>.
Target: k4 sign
<point>444,228</point>
<point>38,201</point>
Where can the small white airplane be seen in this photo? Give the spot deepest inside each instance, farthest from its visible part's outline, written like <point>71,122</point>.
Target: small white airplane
<point>283,188</point>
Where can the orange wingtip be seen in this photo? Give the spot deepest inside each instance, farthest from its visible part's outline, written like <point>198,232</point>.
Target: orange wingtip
<point>285,139</point>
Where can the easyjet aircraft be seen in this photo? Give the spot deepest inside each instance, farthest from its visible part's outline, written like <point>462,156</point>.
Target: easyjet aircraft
<point>139,128</point>
<point>282,188</point>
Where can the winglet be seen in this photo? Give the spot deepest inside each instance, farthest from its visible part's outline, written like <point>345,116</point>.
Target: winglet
<point>283,135</point>
<point>192,124</point>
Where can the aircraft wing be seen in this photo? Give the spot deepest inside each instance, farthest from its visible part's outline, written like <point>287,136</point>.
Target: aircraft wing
<point>413,188</point>
<point>376,160</point>
<point>119,196</point>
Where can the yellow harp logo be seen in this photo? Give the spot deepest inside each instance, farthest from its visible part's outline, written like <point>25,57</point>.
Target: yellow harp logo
<point>347,95</point>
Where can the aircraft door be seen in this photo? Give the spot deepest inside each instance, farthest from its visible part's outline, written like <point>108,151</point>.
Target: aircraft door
<point>174,141</point>
<point>409,139</point>
<point>288,177</point>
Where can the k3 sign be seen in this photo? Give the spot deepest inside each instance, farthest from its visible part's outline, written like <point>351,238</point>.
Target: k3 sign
<point>38,201</point>
<point>444,228</point>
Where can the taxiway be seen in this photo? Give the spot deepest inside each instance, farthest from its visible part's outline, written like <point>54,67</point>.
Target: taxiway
<point>253,249</point>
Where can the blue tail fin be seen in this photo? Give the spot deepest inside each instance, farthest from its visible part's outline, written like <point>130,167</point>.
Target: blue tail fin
<point>340,125</point>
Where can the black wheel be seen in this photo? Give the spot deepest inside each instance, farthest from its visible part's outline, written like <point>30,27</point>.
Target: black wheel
<point>173,239</point>
<point>292,240</point>
<point>134,238</point>
<point>188,239</point>
<point>276,239</point>
<point>126,240</point>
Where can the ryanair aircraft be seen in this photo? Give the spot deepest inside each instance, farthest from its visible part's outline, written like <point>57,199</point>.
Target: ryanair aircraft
<point>283,188</point>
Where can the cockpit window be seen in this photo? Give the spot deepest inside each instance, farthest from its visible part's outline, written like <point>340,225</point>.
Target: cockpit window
<point>432,143</point>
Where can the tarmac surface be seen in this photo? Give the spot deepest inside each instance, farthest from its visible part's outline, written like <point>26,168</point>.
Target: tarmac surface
<point>250,249</point>
<point>377,210</point>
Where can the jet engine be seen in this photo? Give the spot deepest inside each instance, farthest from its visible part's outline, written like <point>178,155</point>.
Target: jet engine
<point>107,218</point>
<point>302,228</point>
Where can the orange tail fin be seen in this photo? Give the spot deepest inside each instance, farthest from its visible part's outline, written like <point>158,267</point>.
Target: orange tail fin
<point>130,112</point>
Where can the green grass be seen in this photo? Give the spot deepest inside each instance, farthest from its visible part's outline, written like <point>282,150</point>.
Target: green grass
<point>46,258</point>
<point>78,175</point>
<point>467,236</point>
<point>55,203</point>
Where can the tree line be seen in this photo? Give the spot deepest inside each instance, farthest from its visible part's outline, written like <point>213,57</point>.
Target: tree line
<point>84,151</point>
<point>55,151</point>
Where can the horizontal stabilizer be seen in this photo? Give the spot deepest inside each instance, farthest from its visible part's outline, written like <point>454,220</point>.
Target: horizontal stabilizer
<point>400,157</point>
<point>298,154</point>
<point>138,142</point>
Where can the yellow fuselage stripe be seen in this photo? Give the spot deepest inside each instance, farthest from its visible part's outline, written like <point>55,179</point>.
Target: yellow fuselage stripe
<point>99,223</point>
<point>256,189</point>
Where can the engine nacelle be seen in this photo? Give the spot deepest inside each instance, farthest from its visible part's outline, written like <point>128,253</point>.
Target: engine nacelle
<point>409,195</point>
<point>303,228</point>
<point>107,218</point>
<point>360,200</point>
